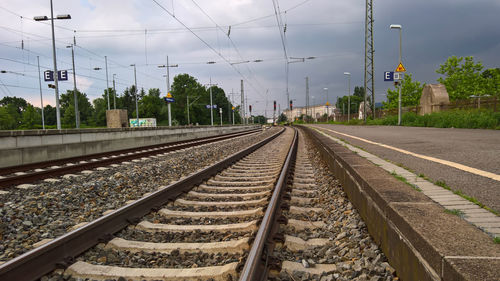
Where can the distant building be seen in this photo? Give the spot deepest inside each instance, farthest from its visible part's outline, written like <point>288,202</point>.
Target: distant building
<point>315,111</point>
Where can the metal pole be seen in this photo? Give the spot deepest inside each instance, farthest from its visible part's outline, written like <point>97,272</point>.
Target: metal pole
<point>168,91</point>
<point>77,112</point>
<point>107,82</point>
<point>136,99</point>
<point>349,101</point>
<point>56,82</point>
<point>211,105</point>
<point>307,96</point>
<point>233,117</point>
<point>326,89</point>
<point>400,84</point>
<point>399,105</point>
<point>242,107</point>
<point>187,104</point>
<point>287,93</point>
<point>114,92</point>
<point>41,98</point>
<point>220,113</point>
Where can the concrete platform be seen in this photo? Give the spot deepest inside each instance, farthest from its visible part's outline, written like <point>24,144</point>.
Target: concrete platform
<point>421,240</point>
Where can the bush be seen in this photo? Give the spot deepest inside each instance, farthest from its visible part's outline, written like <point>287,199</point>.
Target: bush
<point>471,119</point>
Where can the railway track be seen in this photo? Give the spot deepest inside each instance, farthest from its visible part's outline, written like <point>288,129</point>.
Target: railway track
<point>240,193</point>
<point>25,174</point>
<point>258,209</point>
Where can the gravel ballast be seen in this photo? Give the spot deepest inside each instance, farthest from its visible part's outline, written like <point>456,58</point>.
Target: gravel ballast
<point>51,209</point>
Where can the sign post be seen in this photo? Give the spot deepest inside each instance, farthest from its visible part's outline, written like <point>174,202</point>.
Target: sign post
<point>220,112</point>
<point>169,99</point>
<point>400,68</point>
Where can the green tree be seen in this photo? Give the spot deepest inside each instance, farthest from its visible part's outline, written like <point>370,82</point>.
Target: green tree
<point>462,77</point>
<point>411,92</point>
<point>14,106</point>
<point>282,118</point>
<point>492,83</point>
<point>99,114</point>
<point>7,121</point>
<point>151,106</point>
<point>49,113</point>
<point>67,102</point>
<point>31,119</point>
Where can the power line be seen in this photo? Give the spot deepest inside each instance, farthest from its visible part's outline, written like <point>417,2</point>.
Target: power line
<point>206,43</point>
<point>230,40</point>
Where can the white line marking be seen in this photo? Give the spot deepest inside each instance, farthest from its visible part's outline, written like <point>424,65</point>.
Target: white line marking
<point>429,158</point>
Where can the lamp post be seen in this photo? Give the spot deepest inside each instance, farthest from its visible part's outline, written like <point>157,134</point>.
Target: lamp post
<point>114,92</point>
<point>41,98</point>
<point>77,112</point>
<point>326,89</point>
<point>167,66</point>
<point>313,110</point>
<point>136,99</point>
<point>349,97</point>
<point>59,17</point>
<point>398,26</point>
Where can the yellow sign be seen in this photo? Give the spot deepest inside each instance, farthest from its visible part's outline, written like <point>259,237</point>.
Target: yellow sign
<point>169,95</point>
<point>327,103</point>
<point>400,68</point>
<point>233,108</point>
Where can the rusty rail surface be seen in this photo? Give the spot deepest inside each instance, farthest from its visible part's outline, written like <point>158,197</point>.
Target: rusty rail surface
<point>34,176</point>
<point>61,252</point>
<point>258,261</point>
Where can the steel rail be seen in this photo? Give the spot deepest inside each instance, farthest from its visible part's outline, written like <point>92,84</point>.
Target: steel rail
<point>34,176</point>
<point>256,265</point>
<point>60,252</point>
<point>31,166</point>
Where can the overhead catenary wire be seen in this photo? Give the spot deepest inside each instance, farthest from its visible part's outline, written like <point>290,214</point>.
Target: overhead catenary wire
<point>207,44</point>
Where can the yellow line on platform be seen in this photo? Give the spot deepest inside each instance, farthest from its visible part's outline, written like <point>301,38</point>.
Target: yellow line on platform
<point>429,158</point>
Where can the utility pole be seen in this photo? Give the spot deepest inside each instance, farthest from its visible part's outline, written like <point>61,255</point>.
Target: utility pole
<point>220,113</point>
<point>56,74</point>
<point>114,92</point>
<point>136,99</point>
<point>168,90</point>
<point>369,82</point>
<point>107,82</point>
<point>211,102</point>
<point>242,107</point>
<point>307,96</point>
<point>75,96</point>
<point>41,98</point>
<point>187,105</point>
<point>246,118</point>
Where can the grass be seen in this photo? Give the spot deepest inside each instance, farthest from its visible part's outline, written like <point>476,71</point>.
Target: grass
<point>454,212</point>
<point>403,179</point>
<point>496,240</point>
<point>466,197</point>
<point>455,118</point>
<point>471,119</point>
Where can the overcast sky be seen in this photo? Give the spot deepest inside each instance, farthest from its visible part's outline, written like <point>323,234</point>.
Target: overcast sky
<point>142,32</point>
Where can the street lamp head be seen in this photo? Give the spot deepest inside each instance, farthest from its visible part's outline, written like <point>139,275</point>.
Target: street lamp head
<point>132,64</point>
<point>161,66</point>
<point>97,68</point>
<point>310,58</point>
<point>41,18</point>
<point>63,17</point>
<point>347,73</point>
<point>211,62</point>
<point>395,26</point>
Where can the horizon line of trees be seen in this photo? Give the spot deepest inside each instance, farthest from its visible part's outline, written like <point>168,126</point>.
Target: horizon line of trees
<point>462,78</point>
<point>17,113</point>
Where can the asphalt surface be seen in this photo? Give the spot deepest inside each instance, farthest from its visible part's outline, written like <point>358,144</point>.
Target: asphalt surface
<point>475,148</point>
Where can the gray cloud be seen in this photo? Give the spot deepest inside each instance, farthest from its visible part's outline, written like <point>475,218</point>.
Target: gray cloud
<point>333,31</point>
